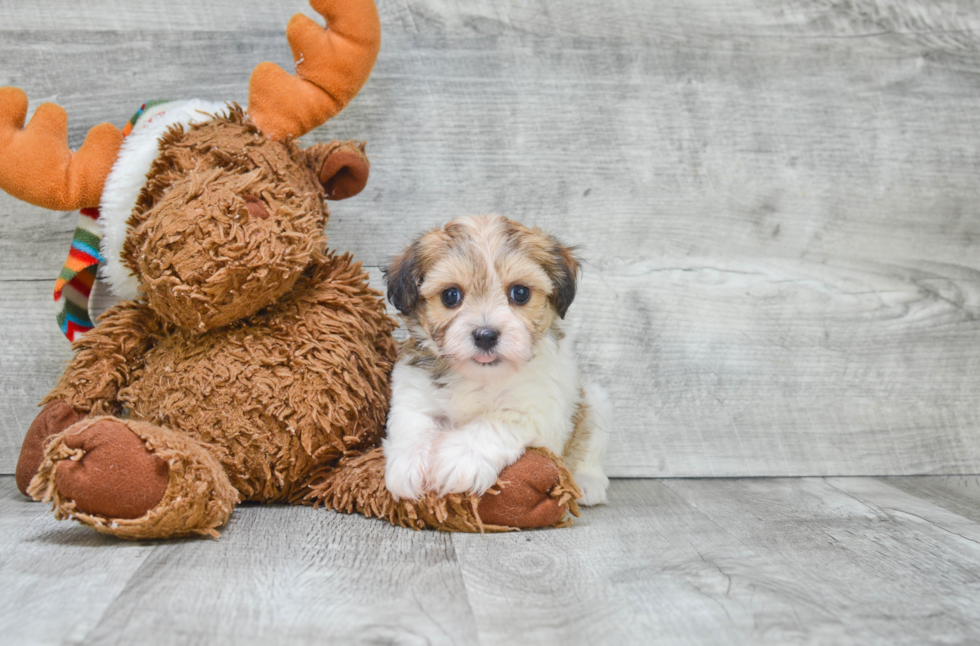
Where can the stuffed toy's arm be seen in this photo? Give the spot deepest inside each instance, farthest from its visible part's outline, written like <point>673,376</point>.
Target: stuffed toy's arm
<point>103,364</point>
<point>535,491</point>
<point>105,359</point>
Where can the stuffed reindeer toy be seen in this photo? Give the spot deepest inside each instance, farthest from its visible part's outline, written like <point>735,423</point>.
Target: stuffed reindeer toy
<point>245,360</point>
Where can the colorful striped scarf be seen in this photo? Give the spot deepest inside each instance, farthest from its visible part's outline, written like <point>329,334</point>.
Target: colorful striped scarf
<point>74,285</point>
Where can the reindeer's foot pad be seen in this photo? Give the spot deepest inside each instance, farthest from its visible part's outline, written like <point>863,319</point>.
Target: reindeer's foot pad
<point>134,480</point>
<point>535,491</point>
<point>55,417</point>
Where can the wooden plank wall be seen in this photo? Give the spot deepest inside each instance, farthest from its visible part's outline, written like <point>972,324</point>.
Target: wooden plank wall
<point>778,201</point>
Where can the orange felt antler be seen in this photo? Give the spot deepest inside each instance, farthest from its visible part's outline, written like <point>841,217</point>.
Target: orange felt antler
<point>36,164</point>
<point>331,66</point>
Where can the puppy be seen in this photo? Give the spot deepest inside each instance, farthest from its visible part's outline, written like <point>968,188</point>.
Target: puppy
<point>488,369</point>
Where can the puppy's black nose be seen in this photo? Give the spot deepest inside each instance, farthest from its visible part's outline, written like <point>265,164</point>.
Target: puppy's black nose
<point>485,337</point>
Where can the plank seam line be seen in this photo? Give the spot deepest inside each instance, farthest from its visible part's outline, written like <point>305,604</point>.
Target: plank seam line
<point>466,586</point>
<point>892,512</point>
<point>125,589</point>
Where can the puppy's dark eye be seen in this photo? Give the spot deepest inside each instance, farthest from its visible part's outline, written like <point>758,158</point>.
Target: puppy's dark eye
<point>452,297</point>
<point>520,294</point>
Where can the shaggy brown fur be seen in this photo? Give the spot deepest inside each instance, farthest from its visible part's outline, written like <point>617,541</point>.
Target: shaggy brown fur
<point>254,342</point>
<point>283,391</point>
<point>358,485</point>
<point>258,367</point>
<point>226,223</point>
<point>198,498</point>
<point>276,394</point>
<point>577,445</point>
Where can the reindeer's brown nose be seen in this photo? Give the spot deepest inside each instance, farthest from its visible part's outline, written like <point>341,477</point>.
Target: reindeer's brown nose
<point>255,207</point>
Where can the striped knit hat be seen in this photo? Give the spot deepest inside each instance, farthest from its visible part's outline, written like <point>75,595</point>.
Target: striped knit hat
<point>97,245</point>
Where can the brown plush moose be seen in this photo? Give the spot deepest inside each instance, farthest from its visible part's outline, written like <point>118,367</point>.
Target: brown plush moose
<point>245,361</point>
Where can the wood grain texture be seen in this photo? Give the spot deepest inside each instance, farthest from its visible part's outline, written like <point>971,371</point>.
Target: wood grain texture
<point>647,566</point>
<point>842,148</point>
<point>959,494</point>
<point>851,561</point>
<point>777,200</point>
<point>295,575</point>
<point>32,355</point>
<point>909,504</point>
<point>715,561</point>
<point>176,15</point>
<point>57,578</point>
<point>949,25</point>
<point>278,575</point>
<point>789,367</point>
<point>883,564</point>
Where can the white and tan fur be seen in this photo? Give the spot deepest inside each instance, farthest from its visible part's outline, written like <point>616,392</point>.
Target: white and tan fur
<point>461,413</point>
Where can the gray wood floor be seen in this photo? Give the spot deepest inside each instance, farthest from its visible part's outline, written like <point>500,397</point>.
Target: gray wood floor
<point>719,561</point>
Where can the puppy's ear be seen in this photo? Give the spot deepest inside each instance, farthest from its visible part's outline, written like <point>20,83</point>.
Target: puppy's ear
<point>404,276</point>
<point>563,269</point>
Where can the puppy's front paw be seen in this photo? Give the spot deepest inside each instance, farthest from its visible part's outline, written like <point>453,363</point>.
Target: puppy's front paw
<point>593,485</point>
<point>405,473</point>
<point>458,468</point>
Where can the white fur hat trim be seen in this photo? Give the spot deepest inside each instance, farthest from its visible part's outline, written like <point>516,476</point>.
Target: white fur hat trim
<point>128,177</point>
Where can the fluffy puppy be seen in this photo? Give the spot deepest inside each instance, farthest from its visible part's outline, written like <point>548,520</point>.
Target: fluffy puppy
<point>488,369</point>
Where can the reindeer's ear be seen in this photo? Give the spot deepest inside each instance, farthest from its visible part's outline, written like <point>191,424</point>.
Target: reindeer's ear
<point>404,276</point>
<point>563,269</point>
<point>342,168</point>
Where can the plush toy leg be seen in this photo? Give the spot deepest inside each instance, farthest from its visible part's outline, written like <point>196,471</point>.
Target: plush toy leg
<point>133,480</point>
<point>55,417</point>
<point>535,491</point>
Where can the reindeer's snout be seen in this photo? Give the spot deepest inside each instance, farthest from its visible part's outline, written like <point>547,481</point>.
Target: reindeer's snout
<point>255,207</point>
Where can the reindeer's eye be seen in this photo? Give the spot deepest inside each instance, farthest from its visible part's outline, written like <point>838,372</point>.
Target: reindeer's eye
<point>452,297</point>
<point>520,294</point>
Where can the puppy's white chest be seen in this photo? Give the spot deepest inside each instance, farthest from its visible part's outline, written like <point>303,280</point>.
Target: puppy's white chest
<point>537,403</point>
<point>467,403</point>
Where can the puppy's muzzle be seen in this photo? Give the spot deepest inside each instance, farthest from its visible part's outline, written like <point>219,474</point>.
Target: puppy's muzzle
<point>485,338</point>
